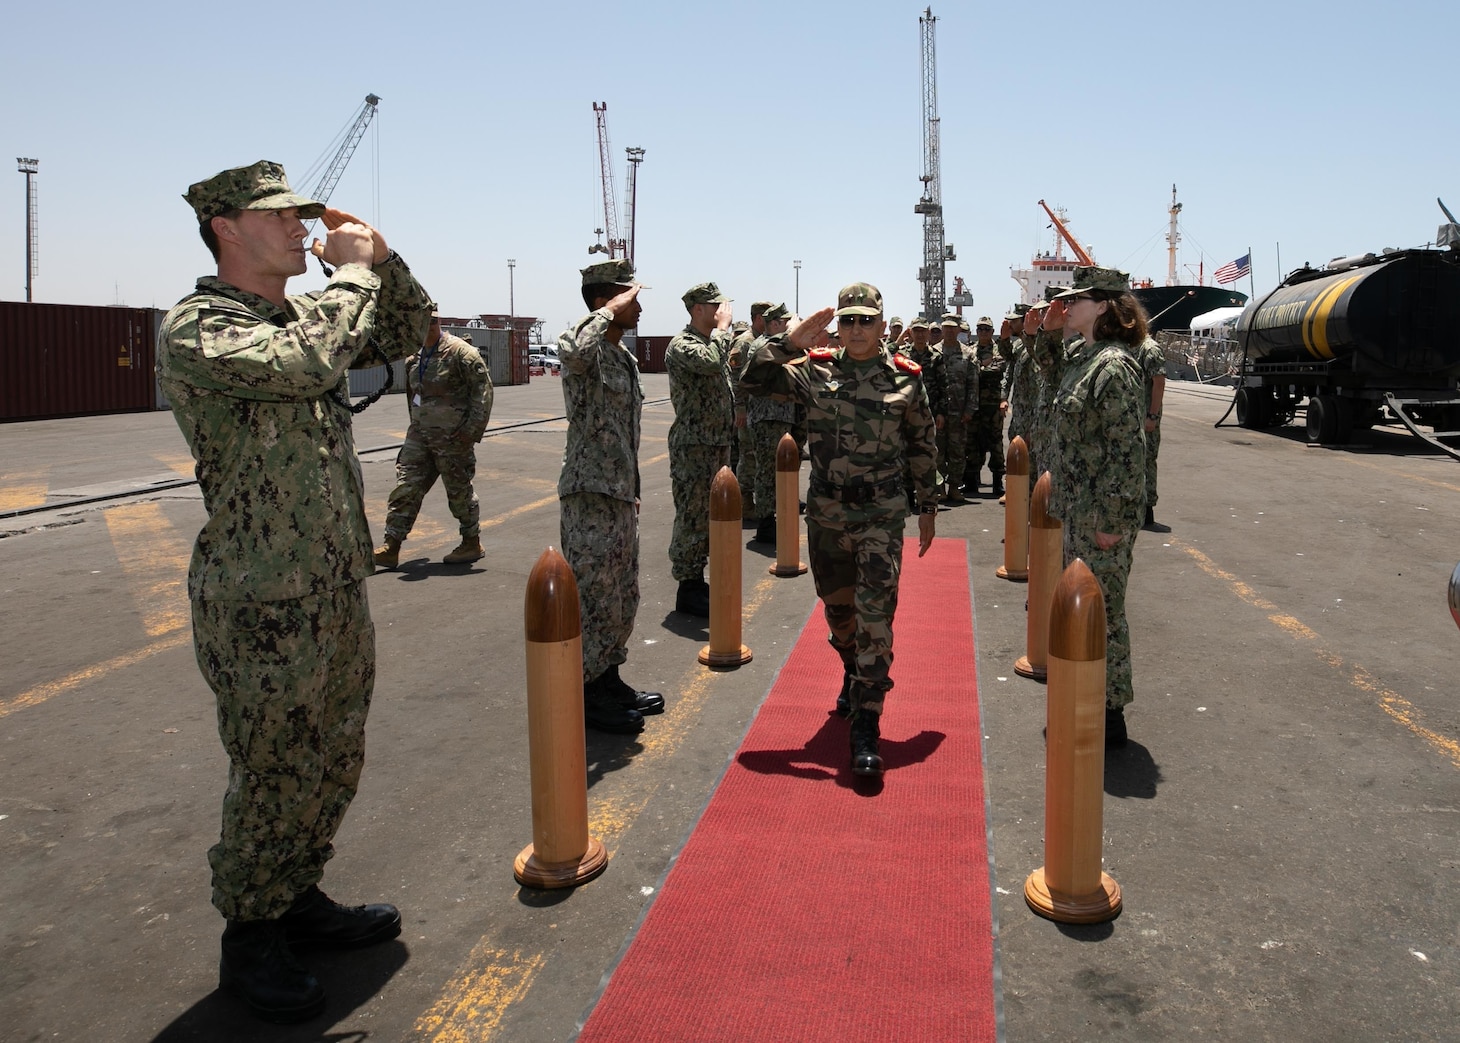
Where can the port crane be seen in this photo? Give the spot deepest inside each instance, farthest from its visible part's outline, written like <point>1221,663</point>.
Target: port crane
<point>936,254</point>
<point>1059,226</point>
<point>616,246</point>
<point>330,176</point>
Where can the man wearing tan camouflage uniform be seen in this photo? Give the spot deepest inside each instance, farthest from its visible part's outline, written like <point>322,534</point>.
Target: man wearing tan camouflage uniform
<point>598,491</point>
<point>867,412</point>
<point>449,398</point>
<point>740,353</point>
<point>697,361</point>
<point>768,419</point>
<point>281,624</point>
<point>986,433</point>
<point>960,398</point>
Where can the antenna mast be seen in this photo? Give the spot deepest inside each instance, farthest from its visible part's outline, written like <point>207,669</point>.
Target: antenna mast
<point>933,273</point>
<point>1172,238</point>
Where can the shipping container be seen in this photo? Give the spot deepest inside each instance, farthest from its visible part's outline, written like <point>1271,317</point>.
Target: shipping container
<point>650,352</point>
<point>75,360</point>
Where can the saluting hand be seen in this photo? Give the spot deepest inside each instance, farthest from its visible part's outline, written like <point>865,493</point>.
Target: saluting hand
<point>804,334</point>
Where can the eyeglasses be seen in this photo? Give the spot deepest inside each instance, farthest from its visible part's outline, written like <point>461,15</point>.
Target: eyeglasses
<point>856,320</point>
<point>1077,297</point>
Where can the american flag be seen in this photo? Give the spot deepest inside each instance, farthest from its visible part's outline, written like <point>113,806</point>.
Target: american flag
<point>1235,270</point>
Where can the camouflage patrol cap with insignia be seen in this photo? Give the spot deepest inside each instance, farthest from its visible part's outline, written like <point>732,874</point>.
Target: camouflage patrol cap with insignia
<point>261,186</point>
<point>611,273</point>
<point>951,319</point>
<point>984,320</point>
<point>704,293</point>
<point>760,307</point>
<point>1050,293</point>
<point>1100,280</point>
<point>776,312</point>
<point>895,321</point>
<point>859,298</point>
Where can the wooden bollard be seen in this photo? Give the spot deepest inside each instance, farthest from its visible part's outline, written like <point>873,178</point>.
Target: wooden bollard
<point>1071,887</point>
<point>1016,513</point>
<point>1455,595</point>
<point>788,509</point>
<point>561,854</point>
<point>1046,560</point>
<point>725,650</point>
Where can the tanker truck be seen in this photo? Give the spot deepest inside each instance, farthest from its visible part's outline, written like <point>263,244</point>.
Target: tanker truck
<point>1368,339</point>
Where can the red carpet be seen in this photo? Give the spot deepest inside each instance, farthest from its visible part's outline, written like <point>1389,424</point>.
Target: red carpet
<point>809,907</point>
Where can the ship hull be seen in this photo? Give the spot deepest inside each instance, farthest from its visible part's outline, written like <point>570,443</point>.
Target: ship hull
<point>1173,307</point>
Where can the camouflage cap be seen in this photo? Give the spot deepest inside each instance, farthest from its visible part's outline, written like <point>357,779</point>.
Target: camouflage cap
<point>777,311</point>
<point>895,321</point>
<point>859,298</point>
<point>984,320</point>
<point>704,293</point>
<point>261,186</point>
<point>1102,280</point>
<point>761,307</point>
<point>951,319</point>
<point>611,273</point>
<point>919,323</point>
<point>1050,293</point>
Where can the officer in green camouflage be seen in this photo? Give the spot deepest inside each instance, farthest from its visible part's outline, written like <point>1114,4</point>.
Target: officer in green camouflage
<point>921,348</point>
<point>697,361</point>
<point>598,492</point>
<point>449,400</point>
<point>960,399</point>
<point>281,624</point>
<point>867,413</point>
<point>1098,478</point>
<point>770,418</point>
<point>739,355</point>
<point>987,433</point>
<point>1152,361</point>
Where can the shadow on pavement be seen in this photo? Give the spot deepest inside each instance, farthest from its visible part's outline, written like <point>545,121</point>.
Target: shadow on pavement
<point>1131,771</point>
<point>350,979</point>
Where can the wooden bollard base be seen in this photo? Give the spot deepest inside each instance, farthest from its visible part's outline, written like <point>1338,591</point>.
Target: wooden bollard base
<point>1096,907</point>
<point>798,569</point>
<point>725,659</point>
<point>1024,668</point>
<point>1015,575</point>
<point>551,875</point>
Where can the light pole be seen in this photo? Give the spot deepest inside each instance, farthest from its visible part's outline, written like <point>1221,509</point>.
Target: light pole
<point>28,167</point>
<point>511,302</point>
<point>797,265</point>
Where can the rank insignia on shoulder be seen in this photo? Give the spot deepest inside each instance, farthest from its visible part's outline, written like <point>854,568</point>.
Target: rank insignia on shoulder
<point>822,354</point>
<point>906,364</point>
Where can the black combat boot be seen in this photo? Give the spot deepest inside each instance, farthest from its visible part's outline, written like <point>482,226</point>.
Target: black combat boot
<point>603,712</point>
<point>693,598</point>
<point>865,733</point>
<point>647,703</point>
<point>259,969</point>
<point>765,532</point>
<point>844,700</point>
<point>1151,524</point>
<point>315,920</point>
<point>1115,736</point>
<point>998,489</point>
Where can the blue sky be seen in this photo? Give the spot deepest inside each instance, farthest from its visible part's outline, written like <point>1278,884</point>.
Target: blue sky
<point>773,132</point>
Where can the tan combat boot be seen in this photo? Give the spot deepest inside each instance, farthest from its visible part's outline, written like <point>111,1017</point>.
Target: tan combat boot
<point>387,555</point>
<point>469,550</point>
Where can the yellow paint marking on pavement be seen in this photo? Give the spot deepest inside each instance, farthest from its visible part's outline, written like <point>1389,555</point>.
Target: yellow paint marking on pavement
<point>22,489</point>
<point>153,556</point>
<point>40,693</point>
<point>177,463</point>
<point>1388,468</point>
<point>471,1007</point>
<point>1391,702</point>
<point>526,508</point>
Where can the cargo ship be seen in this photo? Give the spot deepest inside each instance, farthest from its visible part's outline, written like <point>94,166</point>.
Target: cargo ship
<point>1169,307</point>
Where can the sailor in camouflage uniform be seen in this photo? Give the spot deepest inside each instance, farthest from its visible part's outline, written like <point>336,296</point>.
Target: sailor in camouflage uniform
<point>1046,319</point>
<point>867,413</point>
<point>1153,365</point>
<point>1019,378</point>
<point>598,492</point>
<point>449,399</point>
<point>960,399</point>
<point>986,437</point>
<point>697,361</point>
<point>770,418</point>
<point>740,353</point>
<point>920,347</point>
<point>1098,481</point>
<point>281,624</point>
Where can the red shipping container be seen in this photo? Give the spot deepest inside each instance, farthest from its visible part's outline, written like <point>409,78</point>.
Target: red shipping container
<point>76,360</point>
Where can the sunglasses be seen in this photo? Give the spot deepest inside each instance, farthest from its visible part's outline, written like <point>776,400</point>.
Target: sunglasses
<point>856,320</point>
<point>1078,297</point>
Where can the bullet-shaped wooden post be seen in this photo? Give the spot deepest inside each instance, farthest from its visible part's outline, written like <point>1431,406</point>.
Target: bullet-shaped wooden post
<point>1016,513</point>
<point>1455,595</point>
<point>788,509</point>
<point>725,649</point>
<point>1046,561</point>
<point>561,854</point>
<point>1071,887</point>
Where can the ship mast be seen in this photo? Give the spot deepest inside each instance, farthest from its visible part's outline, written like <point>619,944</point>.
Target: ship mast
<point>1172,238</point>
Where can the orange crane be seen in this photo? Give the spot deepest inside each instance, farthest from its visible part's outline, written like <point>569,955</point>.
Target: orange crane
<point>1059,226</point>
